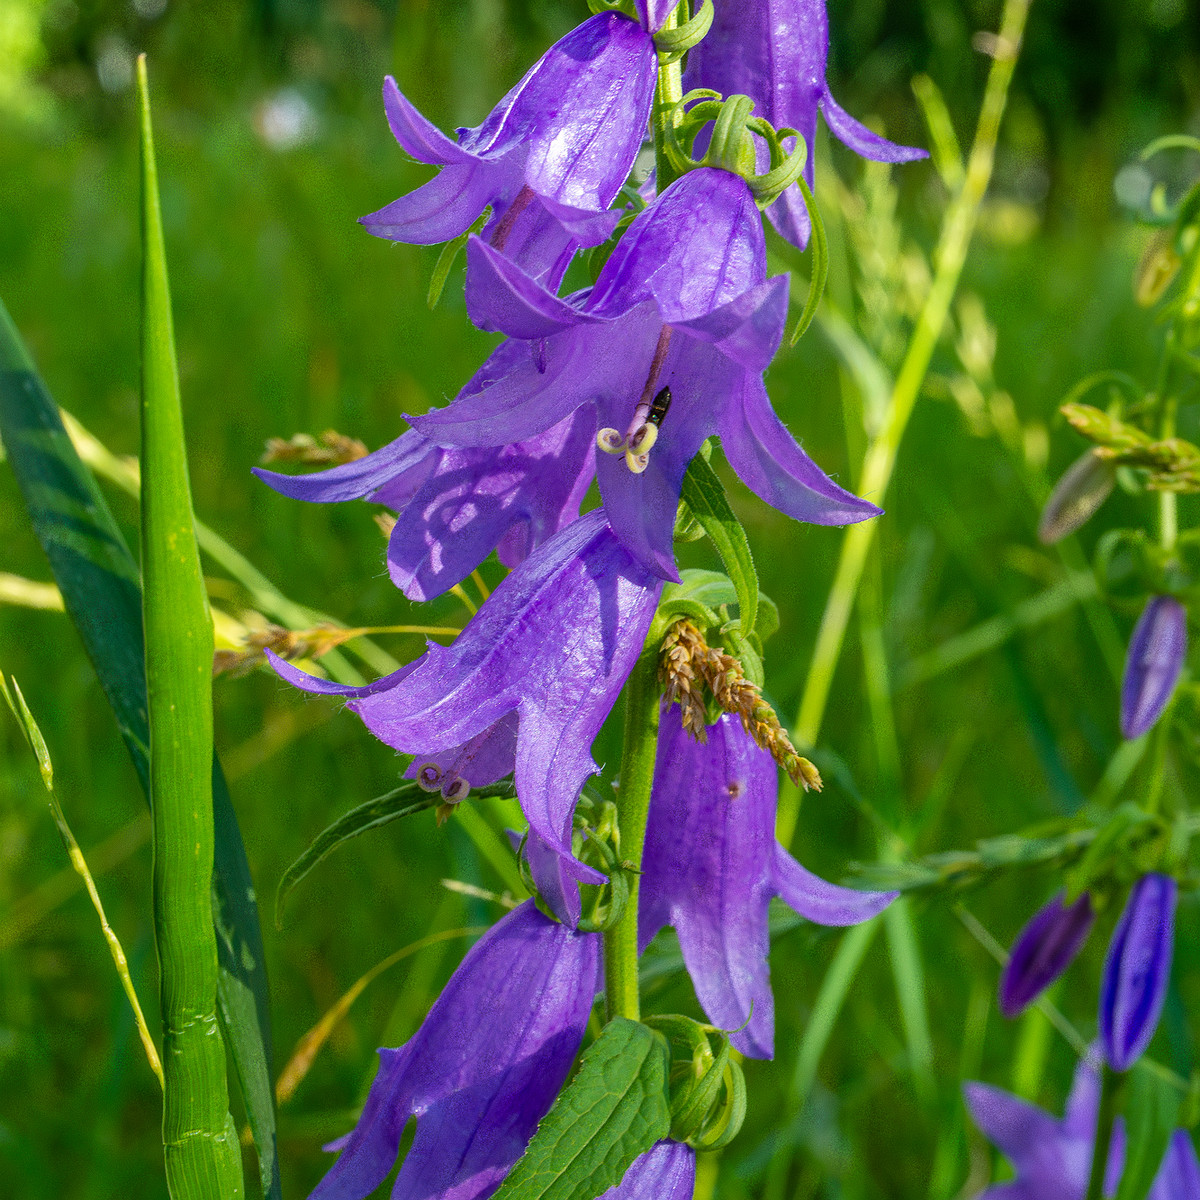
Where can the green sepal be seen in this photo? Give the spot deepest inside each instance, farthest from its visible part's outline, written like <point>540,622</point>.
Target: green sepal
<point>612,1111</point>
<point>443,267</point>
<point>1111,841</point>
<point>673,44</point>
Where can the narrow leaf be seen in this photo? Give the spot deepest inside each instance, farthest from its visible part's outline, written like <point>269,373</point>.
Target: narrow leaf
<point>374,814</point>
<point>613,1110</point>
<point>100,586</point>
<point>200,1142</point>
<point>705,496</point>
<point>820,264</point>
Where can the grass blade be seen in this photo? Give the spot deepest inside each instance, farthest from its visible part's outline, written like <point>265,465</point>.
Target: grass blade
<point>200,1141</point>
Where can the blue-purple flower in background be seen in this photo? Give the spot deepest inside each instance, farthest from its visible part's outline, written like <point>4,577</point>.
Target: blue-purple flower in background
<point>482,1070</point>
<point>682,304</point>
<point>1153,664</point>
<point>712,865</point>
<point>1053,1157</point>
<point>554,644</point>
<point>776,54</point>
<point>1044,949</point>
<point>1136,970</point>
<point>549,159</point>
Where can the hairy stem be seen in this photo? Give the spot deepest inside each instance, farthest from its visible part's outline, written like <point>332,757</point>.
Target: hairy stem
<point>633,807</point>
<point>667,95</point>
<point>880,459</point>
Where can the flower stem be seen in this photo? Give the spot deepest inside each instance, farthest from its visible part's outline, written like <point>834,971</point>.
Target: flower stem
<point>633,807</point>
<point>1110,1087</point>
<point>950,257</point>
<point>667,96</point>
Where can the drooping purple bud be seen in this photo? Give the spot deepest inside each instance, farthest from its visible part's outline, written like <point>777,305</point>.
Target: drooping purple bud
<point>1156,653</point>
<point>1044,949</point>
<point>1136,970</point>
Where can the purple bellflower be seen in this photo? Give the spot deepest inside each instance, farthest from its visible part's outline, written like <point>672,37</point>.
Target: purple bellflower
<point>776,54</point>
<point>667,1171</point>
<point>482,1070</point>
<point>1053,1158</point>
<point>1044,949</point>
<point>670,346</point>
<point>1136,970</point>
<point>549,159</point>
<point>455,506</point>
<point>553,644</point>
<point>712,865</point>
<point>1156,653</point>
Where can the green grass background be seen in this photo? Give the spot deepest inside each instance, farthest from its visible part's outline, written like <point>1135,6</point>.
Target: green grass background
<point>289,317</point>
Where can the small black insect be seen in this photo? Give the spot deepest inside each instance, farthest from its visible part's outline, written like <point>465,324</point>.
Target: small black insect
<point>658,407</point>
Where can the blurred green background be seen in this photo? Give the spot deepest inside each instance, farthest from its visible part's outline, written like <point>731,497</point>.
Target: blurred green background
<point>289,317</point>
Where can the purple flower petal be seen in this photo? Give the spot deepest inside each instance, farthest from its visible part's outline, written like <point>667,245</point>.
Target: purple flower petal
<point>1156,653</point>
<point>481,1071</point>
<point>654,12</point>
<point>667,1171</point>
<point>770,463</point>
<point>776,54</point>
<point>1136,970</point>
<point>1179,1176</point>
<point>1043,950</point>
<point>486,758</point>
<point>711,866</point>
<point>558,147</point>
<point>400,466</point>
<point>554,643</point>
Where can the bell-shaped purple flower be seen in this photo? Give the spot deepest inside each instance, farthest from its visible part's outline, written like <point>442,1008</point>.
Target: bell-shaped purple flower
<point>667,1171</point>
<point>454,507</point>
<point>1053,1158</point>
<point>669,347</point>
<point>1044,949</point>
<point>776,54</point>
<point>1136,970</point>
<point>482,1070</point>
<point>712,864</point>
<point>554,644</point>
<point>1156,653</point>
<point>549,159</point>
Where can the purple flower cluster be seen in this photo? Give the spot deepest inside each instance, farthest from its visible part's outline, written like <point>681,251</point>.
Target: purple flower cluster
<point>620,383</point>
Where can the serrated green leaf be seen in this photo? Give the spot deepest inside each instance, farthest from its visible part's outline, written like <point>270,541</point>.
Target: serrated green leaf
<point>100,584</point>
<point>403,801</point>
<point>1151,1112</point>
<point>705,497</point>
<point>613,1110</point>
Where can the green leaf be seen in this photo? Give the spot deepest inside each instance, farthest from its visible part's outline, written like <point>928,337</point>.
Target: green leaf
<point>200,1142</point>
<point>613,1110</point>
<point>403,801</point>
<point>99,581</point>
<point>1151,1112</point>
<point>705,497</point>
<point>443,267</point>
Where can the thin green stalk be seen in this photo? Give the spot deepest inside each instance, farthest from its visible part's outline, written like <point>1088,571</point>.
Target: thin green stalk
<point>633,807</point>
<point>200,1142</point>
<point>1110,1087</point>
<point>876,474</point>
<point>667,95</point>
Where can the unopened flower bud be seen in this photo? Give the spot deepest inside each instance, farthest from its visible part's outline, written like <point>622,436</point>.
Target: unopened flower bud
<point>1085,485</point>
<point>1043,950</point>
<point>1136,970</point>
<point>1156,653</point>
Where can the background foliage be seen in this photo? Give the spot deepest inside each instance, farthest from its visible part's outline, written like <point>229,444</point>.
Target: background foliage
<point>271,142</point>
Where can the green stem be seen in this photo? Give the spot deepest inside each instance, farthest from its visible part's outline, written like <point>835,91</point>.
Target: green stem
<point>667,95</point>
<point>633,807</point>
<point>1110,1087</point>
<point>880,459</point>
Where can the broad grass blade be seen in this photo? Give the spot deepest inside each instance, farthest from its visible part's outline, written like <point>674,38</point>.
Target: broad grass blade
<point>200,1141</point>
